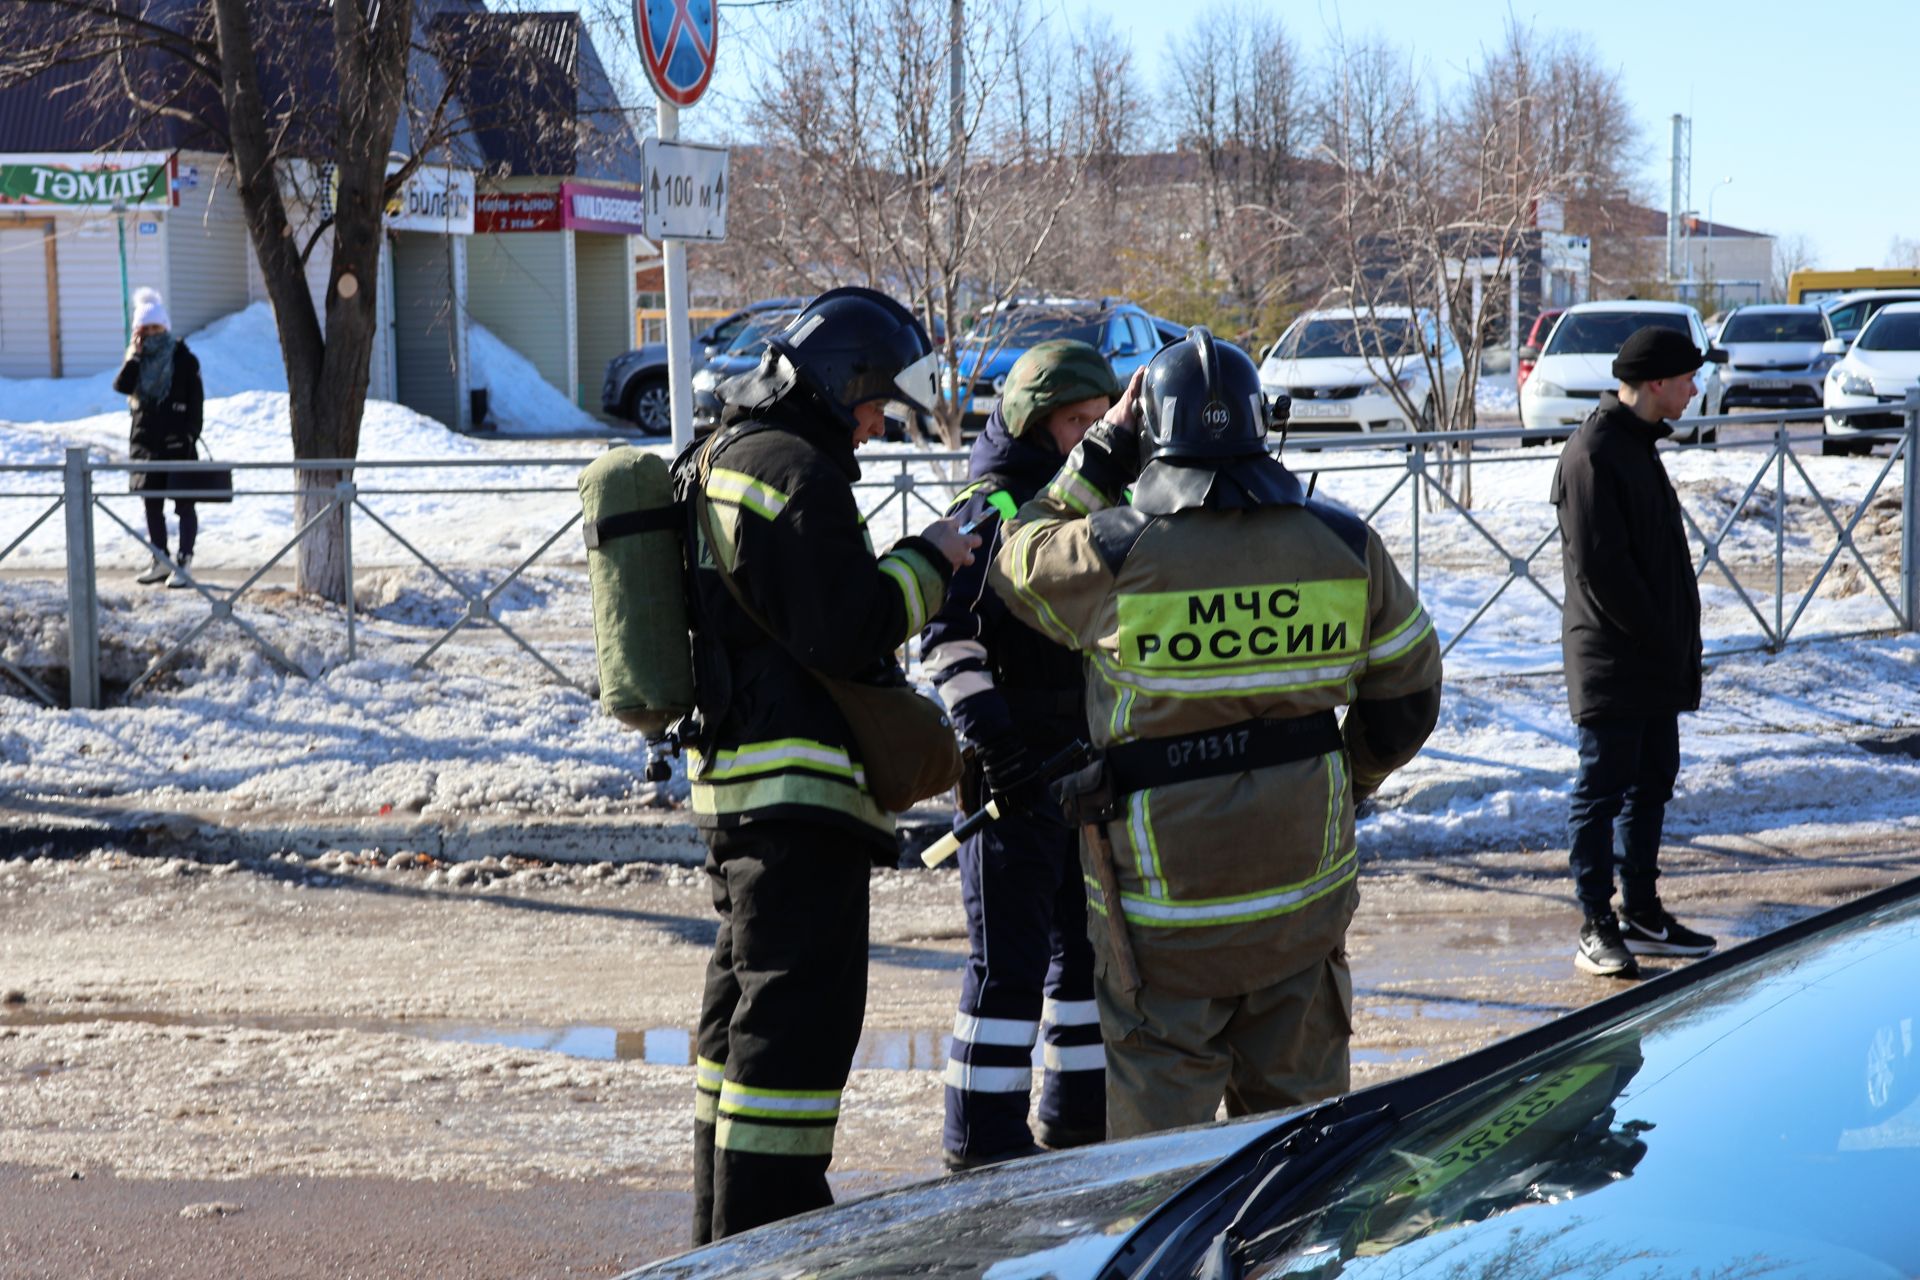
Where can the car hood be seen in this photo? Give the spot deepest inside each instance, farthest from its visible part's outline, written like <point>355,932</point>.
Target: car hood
<point>644,354</point>
<point>1892,371</point>
<point>1583,372</point>
<point>1332,371</point>
<point>1772,355</point>
<point>1061,1215</point>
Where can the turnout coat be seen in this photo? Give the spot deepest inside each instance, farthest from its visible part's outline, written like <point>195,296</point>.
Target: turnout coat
<point>1193,623</point>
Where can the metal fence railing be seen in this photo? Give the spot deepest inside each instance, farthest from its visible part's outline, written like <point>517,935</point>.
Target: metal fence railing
<point>1774,547</point>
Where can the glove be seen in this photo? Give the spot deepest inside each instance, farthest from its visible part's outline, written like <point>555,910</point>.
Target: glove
<point>1012,774</point>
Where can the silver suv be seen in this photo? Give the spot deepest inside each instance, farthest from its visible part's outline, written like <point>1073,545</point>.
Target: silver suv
<point>1774,357</point>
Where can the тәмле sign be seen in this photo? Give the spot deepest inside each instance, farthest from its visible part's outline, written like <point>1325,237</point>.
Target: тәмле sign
<point>136,180</point>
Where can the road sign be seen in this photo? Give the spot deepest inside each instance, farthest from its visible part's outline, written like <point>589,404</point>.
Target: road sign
<point>686,191</point>
<point>677,43</point>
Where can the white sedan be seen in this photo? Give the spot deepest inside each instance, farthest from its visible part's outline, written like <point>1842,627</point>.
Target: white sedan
<point>1576,367</point>
<point>1882,366</point>
<point>1335,388</point>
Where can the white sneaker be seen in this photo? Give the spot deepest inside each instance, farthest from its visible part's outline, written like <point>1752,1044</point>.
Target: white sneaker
<point>155,572</point>
<point>179,577</point>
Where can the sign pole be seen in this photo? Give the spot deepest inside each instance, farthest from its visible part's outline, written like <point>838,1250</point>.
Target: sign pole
<point>679,328</point>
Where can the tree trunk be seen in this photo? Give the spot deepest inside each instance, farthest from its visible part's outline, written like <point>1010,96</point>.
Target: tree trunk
<point>320,561</point>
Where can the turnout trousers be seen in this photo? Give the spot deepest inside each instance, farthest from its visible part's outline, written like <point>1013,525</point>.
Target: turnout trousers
<point>1029,975</point>
<point>780,1020</point>
<point>1171,1059</point>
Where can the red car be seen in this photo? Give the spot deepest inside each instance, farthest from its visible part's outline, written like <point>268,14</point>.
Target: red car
<point>1536,338</point>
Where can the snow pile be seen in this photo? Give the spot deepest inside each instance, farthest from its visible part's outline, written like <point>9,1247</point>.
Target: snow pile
<point>518,398</point>
<point>1494,397</point>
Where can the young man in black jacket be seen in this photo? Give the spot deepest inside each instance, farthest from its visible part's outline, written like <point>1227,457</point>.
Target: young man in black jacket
<point>1630,633</point>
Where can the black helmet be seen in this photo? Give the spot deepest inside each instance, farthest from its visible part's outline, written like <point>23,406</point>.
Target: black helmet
<point>852,345</point>
<point>1202,401</point>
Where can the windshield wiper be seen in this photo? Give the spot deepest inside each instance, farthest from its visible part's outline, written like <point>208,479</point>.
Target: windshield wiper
<point>1316,1142</point>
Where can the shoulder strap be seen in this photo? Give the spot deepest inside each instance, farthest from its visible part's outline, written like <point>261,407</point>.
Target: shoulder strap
<point>1116,531</point>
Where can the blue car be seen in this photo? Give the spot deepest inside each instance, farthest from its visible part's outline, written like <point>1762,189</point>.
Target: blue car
<point>1123,332</point>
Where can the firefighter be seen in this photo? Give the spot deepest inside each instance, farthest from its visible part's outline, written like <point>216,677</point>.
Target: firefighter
<point>778,787</point>
<point>1017,697</point>
<point>1223,618</point>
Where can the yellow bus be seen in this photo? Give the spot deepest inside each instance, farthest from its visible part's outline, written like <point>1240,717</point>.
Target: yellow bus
<point>1818,286</point>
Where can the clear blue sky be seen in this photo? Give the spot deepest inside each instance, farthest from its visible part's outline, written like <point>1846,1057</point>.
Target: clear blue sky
<point>1806,107</point>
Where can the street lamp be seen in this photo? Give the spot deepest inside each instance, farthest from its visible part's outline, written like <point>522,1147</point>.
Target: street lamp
<point>1708,255</point>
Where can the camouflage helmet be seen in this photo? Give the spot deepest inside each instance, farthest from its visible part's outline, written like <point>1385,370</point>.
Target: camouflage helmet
<point>1049,375</point>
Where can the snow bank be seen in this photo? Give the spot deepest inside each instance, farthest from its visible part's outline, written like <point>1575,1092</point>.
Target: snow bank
<point>518,398</point>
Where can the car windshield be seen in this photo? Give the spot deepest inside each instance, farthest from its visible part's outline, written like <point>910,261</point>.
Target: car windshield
<point>1665,1143</point>
<point>761,327</point>
<point>1892,331</point>
<point>1775,326</point>
<point>1025,326</point>
<point>1585,333</point>
<point>1389,336</point>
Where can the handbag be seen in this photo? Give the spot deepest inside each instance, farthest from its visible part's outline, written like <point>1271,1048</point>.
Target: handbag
<point>212,484</point>
<point>906,743</point>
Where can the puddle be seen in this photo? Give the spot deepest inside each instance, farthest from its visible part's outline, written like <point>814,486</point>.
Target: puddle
<point>880,1049</point>
<point>1388,1056</point>
<point>1453,1011</point>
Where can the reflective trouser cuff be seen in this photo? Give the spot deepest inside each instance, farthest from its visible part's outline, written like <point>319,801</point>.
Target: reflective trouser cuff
<point>755,1136</point>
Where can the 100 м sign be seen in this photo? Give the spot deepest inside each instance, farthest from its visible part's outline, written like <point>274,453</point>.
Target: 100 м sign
<point>1242,625</point>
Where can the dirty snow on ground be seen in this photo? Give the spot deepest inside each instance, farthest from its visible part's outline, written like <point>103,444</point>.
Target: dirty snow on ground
<point>481,726</point>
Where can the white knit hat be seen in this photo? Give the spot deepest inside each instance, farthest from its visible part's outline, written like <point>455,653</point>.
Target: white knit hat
<point>148,309</point>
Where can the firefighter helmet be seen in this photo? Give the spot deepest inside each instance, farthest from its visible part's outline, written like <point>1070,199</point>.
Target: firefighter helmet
<point>1202,401</point>
<point>852,345</point>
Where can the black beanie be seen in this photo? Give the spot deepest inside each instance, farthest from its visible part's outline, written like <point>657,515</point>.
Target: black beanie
<point>1655,352</point>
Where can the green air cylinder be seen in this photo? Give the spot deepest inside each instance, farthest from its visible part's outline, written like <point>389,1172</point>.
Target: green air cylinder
<point>635,553</point>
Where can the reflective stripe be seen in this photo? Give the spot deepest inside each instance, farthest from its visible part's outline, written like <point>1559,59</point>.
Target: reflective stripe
<point>971,1079</point>
<point>1074,1057</point>
<point>953,651</point>
<point>738,487</point>
<point>1021,556</point>
<point>1146,850</point>
<point>1254,906</point>
<point>909,592</point>
<point>1070,1013</point>
<point>785,1104</point>
<point>1011,1031</point>
<point>707,1074</point>
<point>764,757</point>
<point>1002,501</point>
<point>740,1134</point>
<point>1072,488</point>
<point>1397,643</point>
<point>1272,680</point>
<point>965,685</point>
<point>706,1108</point>
<point>1336,784</point>
<point>724,799</point>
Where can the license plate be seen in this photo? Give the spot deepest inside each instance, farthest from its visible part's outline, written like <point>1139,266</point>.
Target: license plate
<point>1770,384</point>
<point>1309,409</point>
<point>984,405</point>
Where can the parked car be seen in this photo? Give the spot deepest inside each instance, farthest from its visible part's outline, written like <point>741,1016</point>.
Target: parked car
<point>1124,333</point>
<point>1753,1113</point>
<point>1338,365</point>
<point>1170,331</point>
<point>1849,313</point>
<point>738,356</point>
<point>1880,368</point>
<point>1776,357</point>
<point>1536,338</point>
<point>1576,365</point>
<point>636,383</point>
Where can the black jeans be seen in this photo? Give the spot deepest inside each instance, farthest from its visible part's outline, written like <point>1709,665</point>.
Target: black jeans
<point>157,523</point>
<point>1627,768</point>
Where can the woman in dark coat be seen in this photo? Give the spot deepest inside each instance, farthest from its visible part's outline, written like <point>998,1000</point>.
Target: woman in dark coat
<point>161,381</point>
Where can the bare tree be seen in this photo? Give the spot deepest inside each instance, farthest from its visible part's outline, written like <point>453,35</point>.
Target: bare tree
<point>1903,251</point>
<point>1794,252</point>
<point>298,95</point>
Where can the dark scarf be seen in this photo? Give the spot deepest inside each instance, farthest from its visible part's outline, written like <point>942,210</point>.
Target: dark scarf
<point>156,366</point>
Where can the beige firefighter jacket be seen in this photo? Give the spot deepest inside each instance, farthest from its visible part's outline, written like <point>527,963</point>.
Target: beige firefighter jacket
<point>1203,619</point>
